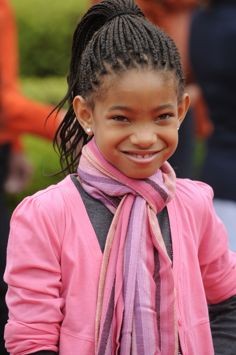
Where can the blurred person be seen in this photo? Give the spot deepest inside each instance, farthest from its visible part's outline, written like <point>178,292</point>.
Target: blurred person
<point>213,58</point>
<point>18,115</point>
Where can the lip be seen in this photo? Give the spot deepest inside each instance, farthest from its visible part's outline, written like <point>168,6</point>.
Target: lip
<point>141,157</point>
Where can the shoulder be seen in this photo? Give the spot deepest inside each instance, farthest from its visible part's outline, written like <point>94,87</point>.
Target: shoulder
<point>47,215</point>
<point>194,196</point>
<point>50,195</point>
<point>194,211</point>
<point>193,188</point>
<point>52,201</point>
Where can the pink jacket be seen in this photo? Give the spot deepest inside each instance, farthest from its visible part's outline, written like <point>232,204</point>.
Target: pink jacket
<point>54,261</point>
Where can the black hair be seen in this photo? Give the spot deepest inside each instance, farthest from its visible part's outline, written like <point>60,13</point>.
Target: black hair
<point>112,36</point>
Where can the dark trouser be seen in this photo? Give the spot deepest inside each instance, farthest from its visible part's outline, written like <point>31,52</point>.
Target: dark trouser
<point>4,231</point>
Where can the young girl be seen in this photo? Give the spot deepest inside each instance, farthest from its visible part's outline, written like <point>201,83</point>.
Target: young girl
<point>120,257</point>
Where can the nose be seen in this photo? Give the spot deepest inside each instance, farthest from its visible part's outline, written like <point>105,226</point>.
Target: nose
<point>143,137</point>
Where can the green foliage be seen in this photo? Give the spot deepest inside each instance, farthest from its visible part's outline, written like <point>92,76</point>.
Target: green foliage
<point>45,31</point>
<point>48,90</point>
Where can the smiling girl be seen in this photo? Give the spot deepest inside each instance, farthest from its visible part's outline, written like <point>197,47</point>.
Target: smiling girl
<point>120,257</point>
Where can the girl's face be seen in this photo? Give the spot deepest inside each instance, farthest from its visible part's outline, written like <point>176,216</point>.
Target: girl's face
<point>135,122</point>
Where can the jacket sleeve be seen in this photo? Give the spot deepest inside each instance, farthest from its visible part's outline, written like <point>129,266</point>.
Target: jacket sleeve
<point>217,262</point>
<point>26,116</point>
<point>33,276</point>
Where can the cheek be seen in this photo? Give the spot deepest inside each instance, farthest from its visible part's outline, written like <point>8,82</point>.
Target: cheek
<point>106,143</point>
<point>170,136</point>
<point>108,136</point>
<point>171,142</point>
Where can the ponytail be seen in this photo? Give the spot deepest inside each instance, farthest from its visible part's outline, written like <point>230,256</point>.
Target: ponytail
<point>113,36</point>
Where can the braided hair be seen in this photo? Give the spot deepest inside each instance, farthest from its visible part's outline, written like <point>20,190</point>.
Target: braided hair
<point>112,37</point>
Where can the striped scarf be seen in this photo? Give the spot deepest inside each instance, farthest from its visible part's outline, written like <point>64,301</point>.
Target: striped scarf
<point>136,297</point>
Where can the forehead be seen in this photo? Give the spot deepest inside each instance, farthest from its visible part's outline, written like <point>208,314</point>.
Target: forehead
<point>138,86</point>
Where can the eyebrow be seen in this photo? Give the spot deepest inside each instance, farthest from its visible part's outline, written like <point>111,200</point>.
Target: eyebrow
<point>129,109</point>
<point>120,107</point>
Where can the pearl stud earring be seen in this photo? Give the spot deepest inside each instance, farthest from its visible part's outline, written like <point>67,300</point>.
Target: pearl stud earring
<point>88,130</point>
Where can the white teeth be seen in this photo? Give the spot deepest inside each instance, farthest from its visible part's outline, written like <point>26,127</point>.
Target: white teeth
<point>139,156</point>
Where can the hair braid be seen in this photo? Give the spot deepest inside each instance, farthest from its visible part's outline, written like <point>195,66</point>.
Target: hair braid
<point>112,36</point>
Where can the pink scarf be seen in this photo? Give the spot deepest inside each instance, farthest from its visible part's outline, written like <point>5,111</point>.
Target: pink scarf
<point>136,296</point>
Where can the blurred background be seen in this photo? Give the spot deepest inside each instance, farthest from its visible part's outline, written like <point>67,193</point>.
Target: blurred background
<point>44,39</point>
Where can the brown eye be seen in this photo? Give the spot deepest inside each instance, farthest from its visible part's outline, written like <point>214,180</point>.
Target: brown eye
<point>164,117</point>
<point>119,118</point>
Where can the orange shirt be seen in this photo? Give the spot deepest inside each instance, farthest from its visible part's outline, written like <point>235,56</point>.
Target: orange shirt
<point>18,114</point>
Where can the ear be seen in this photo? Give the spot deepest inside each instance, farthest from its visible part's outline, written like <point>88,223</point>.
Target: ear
<point>183,107</point>
<point>83,114</point>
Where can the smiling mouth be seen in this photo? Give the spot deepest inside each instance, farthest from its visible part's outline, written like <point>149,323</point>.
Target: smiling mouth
<point>138,157</point>
<point>142,156</point>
